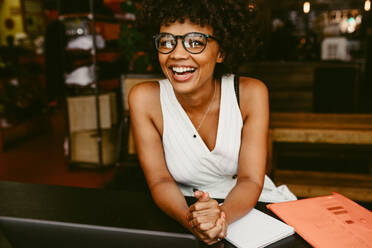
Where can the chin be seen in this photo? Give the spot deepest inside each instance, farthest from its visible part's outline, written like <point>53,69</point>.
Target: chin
<point>183,83</point>
<point>183,87</point>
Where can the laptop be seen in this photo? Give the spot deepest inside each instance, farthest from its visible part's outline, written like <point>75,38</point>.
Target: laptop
<point>29,233</point>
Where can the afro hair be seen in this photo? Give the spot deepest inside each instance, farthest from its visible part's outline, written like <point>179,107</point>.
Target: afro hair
<point>234,24</point>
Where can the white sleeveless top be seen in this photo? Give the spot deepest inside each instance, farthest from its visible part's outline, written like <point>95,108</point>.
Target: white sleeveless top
<point>189,160</point>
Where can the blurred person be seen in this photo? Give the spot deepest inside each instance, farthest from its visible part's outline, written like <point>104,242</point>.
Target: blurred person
<point>54,51</point>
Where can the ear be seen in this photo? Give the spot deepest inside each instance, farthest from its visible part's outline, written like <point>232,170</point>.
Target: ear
<point>220,57</point>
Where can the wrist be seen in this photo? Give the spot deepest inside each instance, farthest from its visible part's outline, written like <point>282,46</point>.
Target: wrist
<point>186,220</point>
<point>224,211</point>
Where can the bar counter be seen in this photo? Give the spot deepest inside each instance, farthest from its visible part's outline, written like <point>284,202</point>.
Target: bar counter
<point>113,208</point>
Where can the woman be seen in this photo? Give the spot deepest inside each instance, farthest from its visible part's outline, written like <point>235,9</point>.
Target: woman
<point>191,131</point>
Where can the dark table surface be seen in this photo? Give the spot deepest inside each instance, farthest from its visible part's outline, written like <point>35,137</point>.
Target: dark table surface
<point>114,208</point>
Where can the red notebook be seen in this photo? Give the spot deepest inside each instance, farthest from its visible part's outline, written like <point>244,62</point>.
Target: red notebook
<point>328,221</point>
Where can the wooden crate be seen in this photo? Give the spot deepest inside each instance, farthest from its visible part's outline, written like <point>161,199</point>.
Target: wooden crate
<point>84,147</point>
<point>82,114</point>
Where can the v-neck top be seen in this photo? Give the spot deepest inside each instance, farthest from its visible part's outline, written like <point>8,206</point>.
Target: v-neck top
<point>188,158</point>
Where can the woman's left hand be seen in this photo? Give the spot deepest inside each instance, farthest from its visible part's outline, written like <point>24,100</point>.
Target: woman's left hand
<point>204,213</point>
<point>214,234</point>
<point>206,217</point>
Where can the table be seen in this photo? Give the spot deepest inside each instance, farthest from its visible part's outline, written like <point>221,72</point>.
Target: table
<point>115,208</point>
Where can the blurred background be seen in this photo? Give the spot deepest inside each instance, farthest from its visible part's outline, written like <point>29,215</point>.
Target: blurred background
<point>66,68</point>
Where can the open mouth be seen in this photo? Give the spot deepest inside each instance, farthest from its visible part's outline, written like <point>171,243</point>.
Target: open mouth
<point>182,70</point>
<point>182,73</point>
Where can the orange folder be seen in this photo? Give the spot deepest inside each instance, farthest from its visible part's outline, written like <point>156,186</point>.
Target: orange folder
<point>328,221</point>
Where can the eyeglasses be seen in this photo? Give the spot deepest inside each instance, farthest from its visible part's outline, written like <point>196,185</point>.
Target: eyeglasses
<point>192,42</point>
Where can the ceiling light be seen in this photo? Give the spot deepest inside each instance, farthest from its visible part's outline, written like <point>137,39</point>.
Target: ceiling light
<point>306,7</point>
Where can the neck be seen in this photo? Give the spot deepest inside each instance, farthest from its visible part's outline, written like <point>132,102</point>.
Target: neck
<point>198,101</point>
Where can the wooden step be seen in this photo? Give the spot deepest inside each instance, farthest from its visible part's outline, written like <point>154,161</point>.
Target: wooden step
<point>313,183</point>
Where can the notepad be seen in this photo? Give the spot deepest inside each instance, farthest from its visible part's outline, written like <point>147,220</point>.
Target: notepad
<point>328,221</point>
<point>257,229</point>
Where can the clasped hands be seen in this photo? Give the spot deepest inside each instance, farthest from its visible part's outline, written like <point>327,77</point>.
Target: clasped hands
<point>206,219</point>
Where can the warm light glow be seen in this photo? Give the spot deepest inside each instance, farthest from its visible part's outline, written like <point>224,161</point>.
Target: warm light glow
<point>367,5</point>
<point>307,7</point>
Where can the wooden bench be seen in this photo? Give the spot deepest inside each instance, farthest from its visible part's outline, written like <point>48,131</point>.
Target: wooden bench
<point>321,129</point>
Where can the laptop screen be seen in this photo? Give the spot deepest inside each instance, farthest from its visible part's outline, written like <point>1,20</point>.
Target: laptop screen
<point>26,233</point>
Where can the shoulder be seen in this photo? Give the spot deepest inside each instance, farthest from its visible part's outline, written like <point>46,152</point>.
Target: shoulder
<point>143,93</point>
<point>252,86</point>
<point>254,95</point>
<point>144,97</point>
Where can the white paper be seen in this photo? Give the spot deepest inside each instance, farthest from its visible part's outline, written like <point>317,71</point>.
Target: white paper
<point>257,229</point>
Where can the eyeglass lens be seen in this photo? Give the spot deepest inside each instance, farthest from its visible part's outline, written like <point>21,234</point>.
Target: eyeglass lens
<point>192,42</point>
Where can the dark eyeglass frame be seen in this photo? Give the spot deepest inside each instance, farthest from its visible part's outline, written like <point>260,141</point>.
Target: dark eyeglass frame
<point>176,37</point>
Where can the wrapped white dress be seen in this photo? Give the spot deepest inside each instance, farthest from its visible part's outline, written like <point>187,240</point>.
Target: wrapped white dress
<point>189,160</point>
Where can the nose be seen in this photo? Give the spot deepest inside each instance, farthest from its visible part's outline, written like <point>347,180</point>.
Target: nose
<point>179,51</point>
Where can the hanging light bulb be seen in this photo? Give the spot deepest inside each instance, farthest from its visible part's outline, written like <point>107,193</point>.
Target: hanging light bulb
<point>306,7</point>
<point>367,5</point>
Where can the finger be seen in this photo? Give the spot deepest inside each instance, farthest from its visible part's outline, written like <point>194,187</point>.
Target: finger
<point>204,237</point>
<point>215,212</point>
<point>223,232</point>
<point>215,231</point>
<point>205,196</point>
<point>200,209</point>
<point>204,204</point>
<point>198,194</point>
<point>201,196</point>
<point>200,235</point>
<point>202,222</point>
<point>203,227</point>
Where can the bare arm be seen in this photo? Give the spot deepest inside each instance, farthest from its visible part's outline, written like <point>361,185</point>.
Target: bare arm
<point>252,159</point>
<point>145,112</point>
<point>146,121</point>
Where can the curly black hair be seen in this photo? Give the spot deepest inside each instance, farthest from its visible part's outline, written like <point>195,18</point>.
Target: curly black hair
<point>233,23</point>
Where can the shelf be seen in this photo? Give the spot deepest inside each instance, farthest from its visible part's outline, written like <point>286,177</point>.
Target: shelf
<point>107,56</point>
<point>31,59</point>
<point>89,104</point>
<point>105,86</point>
<point>98,17</point>
<point>103,55</point>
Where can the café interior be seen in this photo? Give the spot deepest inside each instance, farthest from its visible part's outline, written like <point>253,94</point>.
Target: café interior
<point>66,69</point>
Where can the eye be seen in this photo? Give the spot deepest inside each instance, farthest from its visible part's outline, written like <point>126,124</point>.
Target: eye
<point>166,42</point>
<point>195,42</point>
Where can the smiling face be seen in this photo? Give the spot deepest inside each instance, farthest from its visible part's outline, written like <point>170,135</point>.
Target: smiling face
<point>189,72</point>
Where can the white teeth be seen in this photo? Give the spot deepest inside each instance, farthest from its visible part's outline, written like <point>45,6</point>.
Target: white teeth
<point>182,69</point>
